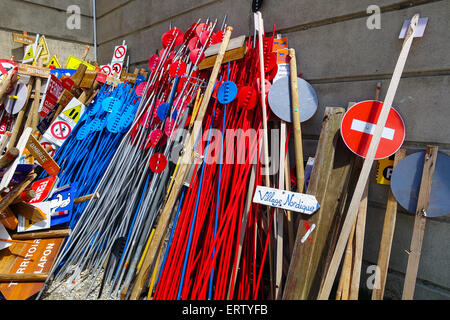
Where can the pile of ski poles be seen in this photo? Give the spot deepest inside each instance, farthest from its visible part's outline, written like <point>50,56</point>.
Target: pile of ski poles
<point>115,230</point>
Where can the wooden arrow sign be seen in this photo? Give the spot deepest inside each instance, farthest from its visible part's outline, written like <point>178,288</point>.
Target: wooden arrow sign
<point>282,199</point>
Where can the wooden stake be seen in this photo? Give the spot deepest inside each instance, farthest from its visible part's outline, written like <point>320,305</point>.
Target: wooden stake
<point>296,121</point>
<point>87,198</point>
<point>386,239</point>
<point>328,180</point>
<point>20,117</point>
<point>23,278</point>
<point>9,157</point>
<point>343,291</point>
<point>359,245</point>
<point>51,234</point>
<point>419,223</point>
<point>354,205</point>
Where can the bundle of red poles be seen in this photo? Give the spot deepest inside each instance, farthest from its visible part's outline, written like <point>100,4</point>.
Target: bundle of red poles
<point>206,257</point>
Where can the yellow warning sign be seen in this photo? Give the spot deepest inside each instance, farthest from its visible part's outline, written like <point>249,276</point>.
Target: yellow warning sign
<point>28,224</point>
<point>44,53</point>
<point>73,63</point>
<point>29,53</point>
<point>54,62</point>
<point>385,169</point>
<point>74,113</point>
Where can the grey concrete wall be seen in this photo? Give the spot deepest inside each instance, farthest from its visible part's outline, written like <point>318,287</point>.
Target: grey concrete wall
<point>46,17</point>
<point>343,60</point>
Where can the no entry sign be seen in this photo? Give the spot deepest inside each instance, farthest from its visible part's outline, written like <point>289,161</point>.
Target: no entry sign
<point>61,130</point>
<point>119,53</point>
<point>358,127</point>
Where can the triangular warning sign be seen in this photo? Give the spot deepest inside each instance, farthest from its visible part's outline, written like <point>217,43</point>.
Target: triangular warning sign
<point>29,53</point>
<point>74,113</point>
<point>28,224</point>
<point>54,62</point>
<point>44,55</point>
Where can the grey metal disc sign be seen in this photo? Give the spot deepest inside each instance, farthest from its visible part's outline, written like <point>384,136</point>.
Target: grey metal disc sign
<point>406,180</point>
<point>280,99</point>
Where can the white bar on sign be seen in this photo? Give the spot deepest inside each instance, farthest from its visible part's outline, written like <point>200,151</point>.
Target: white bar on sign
<point>369,128</point>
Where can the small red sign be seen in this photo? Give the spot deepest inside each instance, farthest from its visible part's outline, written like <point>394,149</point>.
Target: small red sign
<point>358,127</point>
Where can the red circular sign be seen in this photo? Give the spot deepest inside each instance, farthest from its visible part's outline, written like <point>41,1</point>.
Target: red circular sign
<point>120,52</point>
<point>61,130</point>
<point>358,127</point>
<point>158,163</point>
<point>117,67</point>
<point>45,145</point>
<point>106,70</point>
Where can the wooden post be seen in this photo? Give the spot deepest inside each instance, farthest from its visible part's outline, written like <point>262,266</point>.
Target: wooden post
<point>419,223</point>
<point>297,123</point>
<point>367,166</point>
<point>328,179</point>
<point>343,291</point>
<point>359,245</point>
<point>386,239</point>
<point>22,278</point>
<point>62,233</point>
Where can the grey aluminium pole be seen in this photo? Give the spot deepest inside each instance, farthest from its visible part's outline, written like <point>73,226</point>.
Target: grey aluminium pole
<point>94,17</point>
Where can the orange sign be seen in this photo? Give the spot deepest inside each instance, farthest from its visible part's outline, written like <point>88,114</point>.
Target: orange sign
<point>37,258</point>
<point>280,44</point>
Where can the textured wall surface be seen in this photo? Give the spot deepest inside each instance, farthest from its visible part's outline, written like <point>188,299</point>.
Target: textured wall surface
<point>46,17</point>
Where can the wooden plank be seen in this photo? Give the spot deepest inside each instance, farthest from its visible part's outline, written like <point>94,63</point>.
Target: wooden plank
<point>368,163</point>
<point>419,223</point>
<point>51,234</point>
<point>300,166</point>
<point>359,245</point>
<point>16,192</point>
<point>28,211</point>
<point>386,239</point>
<point>343,291</point>
<point>230,56</point>
<point>34,71</point>
<point>23,38</point>
<point>178,182</point>
<point>21,278</point>
<point>235,43</point>
<point>328,179</point>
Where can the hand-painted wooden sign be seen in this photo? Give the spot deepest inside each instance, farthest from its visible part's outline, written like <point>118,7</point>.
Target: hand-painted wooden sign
<point>291,201</point>
<point>23,38</point>
<point>20,259</point>
<point>42,157</point>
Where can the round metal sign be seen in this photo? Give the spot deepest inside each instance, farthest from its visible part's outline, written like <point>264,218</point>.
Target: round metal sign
<point>406,180</point>
<point>280,100</point>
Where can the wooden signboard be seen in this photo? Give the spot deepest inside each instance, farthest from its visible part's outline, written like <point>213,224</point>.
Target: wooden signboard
<point>23,38</point>
<point>22,259</point>
<point>88,79</point>
<point>42,157</point>
<point>34,71</point>
<point>291,201</point>
<point>130,77</point>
